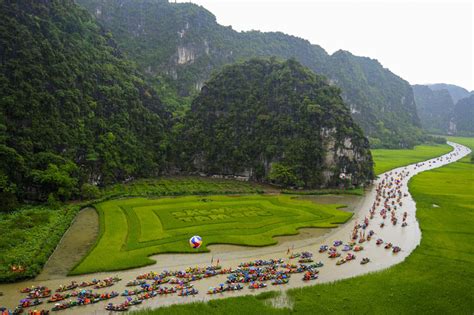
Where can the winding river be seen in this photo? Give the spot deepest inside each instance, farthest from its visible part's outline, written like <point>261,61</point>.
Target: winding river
<point>408,238</point>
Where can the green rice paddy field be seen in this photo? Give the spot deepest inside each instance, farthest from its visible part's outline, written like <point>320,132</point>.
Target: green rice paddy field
<point>133,229</point>
<point>437,278</point>
<point>387,159</point>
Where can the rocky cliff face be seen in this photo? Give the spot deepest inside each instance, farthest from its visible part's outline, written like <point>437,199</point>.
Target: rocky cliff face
<point>438,112</point>
<point>456,92</point>
<point>435,108</point>
<point>184,42</point>
<point>274,121</point>
<point>463,117</point>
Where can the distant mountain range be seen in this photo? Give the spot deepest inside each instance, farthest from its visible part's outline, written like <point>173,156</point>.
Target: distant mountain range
<point>182,44</point>
<point>445,108</point>
<point>455,91</point>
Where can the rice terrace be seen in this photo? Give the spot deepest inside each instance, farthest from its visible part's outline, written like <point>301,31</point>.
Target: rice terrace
<point>132,229</point>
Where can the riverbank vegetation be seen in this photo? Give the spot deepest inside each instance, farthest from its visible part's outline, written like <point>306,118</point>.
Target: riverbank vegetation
<point>29,236</point>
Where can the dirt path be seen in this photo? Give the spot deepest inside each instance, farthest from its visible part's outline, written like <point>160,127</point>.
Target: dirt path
<point>407,238</point>
<point>74,245</point>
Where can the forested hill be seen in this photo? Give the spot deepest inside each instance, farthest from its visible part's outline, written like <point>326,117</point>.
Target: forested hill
<point>72,110</point>
<point>182,44</point>
<point>274,121</point>
<point>438,111</point>
<point>435,108</point>
<point>464,116</point>
<point>455,91</point>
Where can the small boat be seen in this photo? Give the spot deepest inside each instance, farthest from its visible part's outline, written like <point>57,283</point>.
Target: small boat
<point>316,265</point>
<point>117,308</point>
<point>192,291</point>
<point>346,248</point>
<point>280,281</point>
<point>135,283</point>
<point>29,303</point>
<point>306,255</point>
<point>56,298</point>
<point>334,255</point>
<point>350,256</point>
<point>364,261</point>
<point>213,290</point>
<point>135,302</point>
<point>257,285</point>
<point>17,310</point>
<point>73,285</point>
<point>166,290</point>
<point>234,287</point>
<point>104,284</point>
<point>39,294</point>
<point>310,276</point>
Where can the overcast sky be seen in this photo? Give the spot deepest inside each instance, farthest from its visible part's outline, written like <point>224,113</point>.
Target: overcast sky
<point>422,41</point>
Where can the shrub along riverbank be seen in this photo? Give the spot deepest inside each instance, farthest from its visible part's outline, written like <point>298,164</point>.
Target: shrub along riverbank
<point>29,236</point>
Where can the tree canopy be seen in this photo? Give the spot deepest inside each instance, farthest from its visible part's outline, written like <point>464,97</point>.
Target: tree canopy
<point>72,109</point>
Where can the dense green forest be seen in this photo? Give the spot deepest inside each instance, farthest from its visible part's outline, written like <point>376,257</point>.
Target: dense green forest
<point>274,121</point>
<point>178,45</point>
<point>73,111</point>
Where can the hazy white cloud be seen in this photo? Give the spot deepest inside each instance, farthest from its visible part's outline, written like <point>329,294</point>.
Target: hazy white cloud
<point>422,41</point>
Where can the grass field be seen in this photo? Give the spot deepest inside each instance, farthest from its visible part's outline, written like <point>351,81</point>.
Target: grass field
<point>387,159</point>
<point>182,185</point>
<point>437,278</point>
<point>133,229</point>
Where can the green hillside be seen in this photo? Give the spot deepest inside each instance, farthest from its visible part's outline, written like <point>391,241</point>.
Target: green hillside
<point>72,110</point>
<point>274,121</point>
<point>180,44</point>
